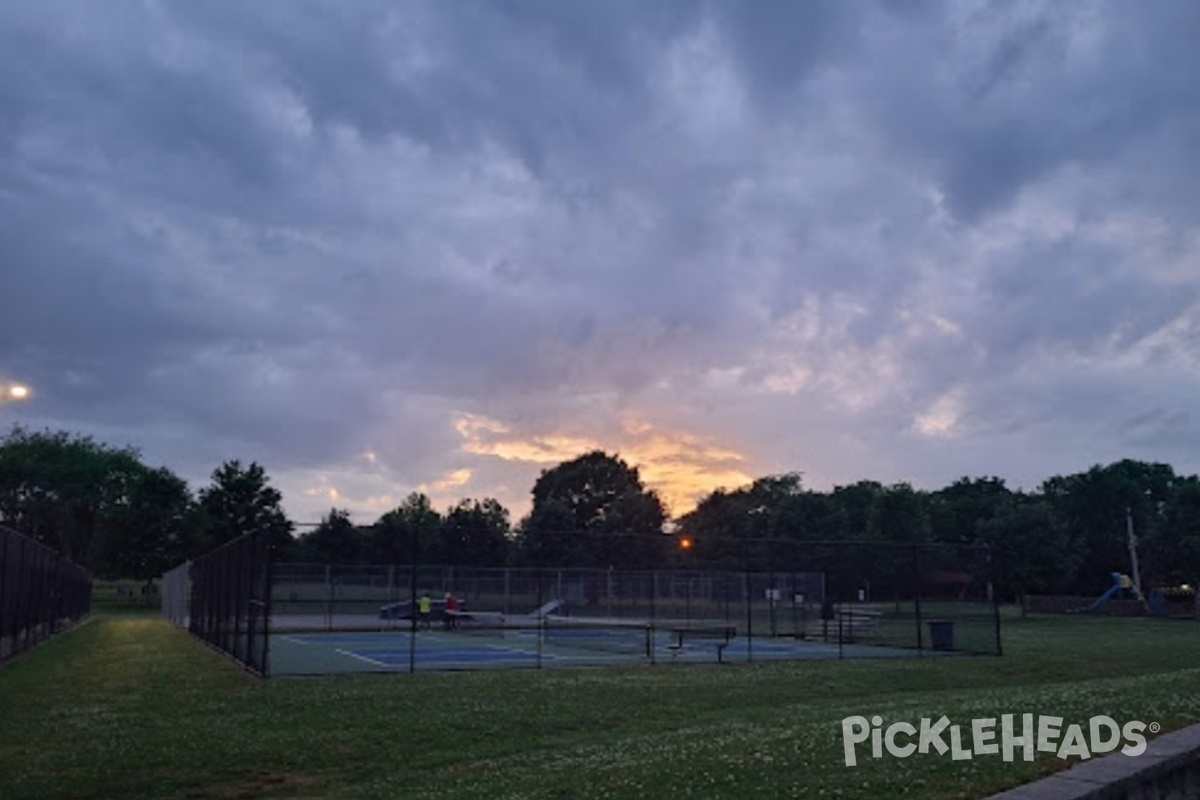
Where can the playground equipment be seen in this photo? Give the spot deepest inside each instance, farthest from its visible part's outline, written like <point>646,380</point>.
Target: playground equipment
<point>1120,583</point>
<point>1123,582</point>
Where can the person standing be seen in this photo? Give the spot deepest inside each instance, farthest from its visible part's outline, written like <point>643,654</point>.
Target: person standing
<point>425,609</point>
<point>450,615</point>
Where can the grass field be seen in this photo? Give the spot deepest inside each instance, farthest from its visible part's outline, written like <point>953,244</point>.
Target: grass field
<point>126,706</point>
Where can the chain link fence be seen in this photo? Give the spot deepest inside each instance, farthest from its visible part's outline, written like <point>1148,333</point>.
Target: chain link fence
<point>816,600</point>
<point>790,600</point>
<point>229,600</point>
<point>177,594</point>
<point>41,592</point>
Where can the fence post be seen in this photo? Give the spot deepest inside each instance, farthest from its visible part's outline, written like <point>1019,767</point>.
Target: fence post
<point>414,554</point>
<point>268,591</point>
<point>507,591</point>
<point>653,610</point>
<point>7,571</point>
<point>749,614</point>
<point>916,576</point>
<point>995,597</point>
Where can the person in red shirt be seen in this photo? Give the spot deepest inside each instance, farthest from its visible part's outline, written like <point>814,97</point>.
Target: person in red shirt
<point>450,615</point>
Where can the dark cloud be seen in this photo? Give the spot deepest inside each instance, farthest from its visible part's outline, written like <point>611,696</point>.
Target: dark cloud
<point>850,239</point>
<point>1007,96</point>
<point>778,45</point>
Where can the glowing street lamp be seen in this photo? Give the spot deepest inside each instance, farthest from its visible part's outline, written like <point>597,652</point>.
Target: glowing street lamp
<point>13,391</point>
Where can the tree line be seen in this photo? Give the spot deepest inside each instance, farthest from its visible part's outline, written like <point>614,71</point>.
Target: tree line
<point>105,509</point>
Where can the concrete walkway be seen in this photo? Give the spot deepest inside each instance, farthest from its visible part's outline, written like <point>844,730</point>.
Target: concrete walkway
<point>1168,770</point>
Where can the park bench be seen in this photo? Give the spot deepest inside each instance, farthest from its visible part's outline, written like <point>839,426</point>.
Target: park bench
<point>852,623</point>
<point>718,636</point>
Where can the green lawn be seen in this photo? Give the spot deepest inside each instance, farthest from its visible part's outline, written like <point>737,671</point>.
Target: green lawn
<point>126,706</point>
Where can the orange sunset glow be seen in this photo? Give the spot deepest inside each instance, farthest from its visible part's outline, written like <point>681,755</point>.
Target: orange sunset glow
<point>682,467</point>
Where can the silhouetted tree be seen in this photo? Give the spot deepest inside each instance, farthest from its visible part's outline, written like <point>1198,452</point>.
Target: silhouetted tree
<point>414,521</point>
<point>239,502</point>
<point>98,505</point>
<point>475,533</point>
<point>594,511</point>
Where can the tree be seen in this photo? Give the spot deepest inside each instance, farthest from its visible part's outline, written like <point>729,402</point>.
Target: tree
<point>957,511</point>
<point>594,511</point>
<point>1173,550</point>
<point>898,515</point>
<point>412,527</point>
<point>855,508</point>
<point>145,524</point>
<point>716,529</point>
<point>97,505</point>
<point>334,541</point>
<point>808,516</point>
<point>475,533</point>
<point>240,502</point>
<point>755,526</point>
<point>547,536</point>
<point>1030,547</point>
<point>1094,506</point>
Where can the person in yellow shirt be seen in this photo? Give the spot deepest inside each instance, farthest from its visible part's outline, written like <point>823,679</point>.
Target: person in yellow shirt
<point>425,609</point>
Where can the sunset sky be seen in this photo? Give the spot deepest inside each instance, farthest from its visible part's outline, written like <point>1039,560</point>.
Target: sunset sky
<point>385,247</point>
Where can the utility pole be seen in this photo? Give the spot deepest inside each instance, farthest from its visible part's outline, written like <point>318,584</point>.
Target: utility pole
<point>1131,538</point>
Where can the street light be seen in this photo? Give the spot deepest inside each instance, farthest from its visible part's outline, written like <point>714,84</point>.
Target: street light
<point>13,391</point>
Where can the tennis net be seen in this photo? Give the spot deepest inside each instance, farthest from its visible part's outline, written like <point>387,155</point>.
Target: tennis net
<point>620,636</point>
<point>608,634</point>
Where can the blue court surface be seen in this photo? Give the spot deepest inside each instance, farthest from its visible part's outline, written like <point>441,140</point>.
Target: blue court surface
<point>396,651</point>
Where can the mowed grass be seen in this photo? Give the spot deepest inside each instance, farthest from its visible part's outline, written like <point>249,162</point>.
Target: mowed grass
<point>127,706</point>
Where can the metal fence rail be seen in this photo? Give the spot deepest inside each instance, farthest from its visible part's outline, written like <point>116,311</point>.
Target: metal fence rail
<point>40,593</point>
<point>230,599</point>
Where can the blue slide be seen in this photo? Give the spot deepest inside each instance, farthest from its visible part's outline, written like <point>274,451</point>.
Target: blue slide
<point>1113,591</point>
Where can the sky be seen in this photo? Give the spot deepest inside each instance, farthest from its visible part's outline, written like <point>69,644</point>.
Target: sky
<point>389,247</point>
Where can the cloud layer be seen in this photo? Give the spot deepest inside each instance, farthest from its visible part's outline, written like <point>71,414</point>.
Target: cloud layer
<point>439,248</point>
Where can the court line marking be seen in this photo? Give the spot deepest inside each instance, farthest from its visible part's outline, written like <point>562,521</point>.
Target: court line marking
<point>472,656</point>
<point>322,638</point>
<point>364,658</point>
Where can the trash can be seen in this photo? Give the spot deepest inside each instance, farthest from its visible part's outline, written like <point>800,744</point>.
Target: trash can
<point>941,634</point>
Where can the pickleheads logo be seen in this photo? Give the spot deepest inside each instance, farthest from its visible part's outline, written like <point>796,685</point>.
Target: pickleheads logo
<point>1043,735</point>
